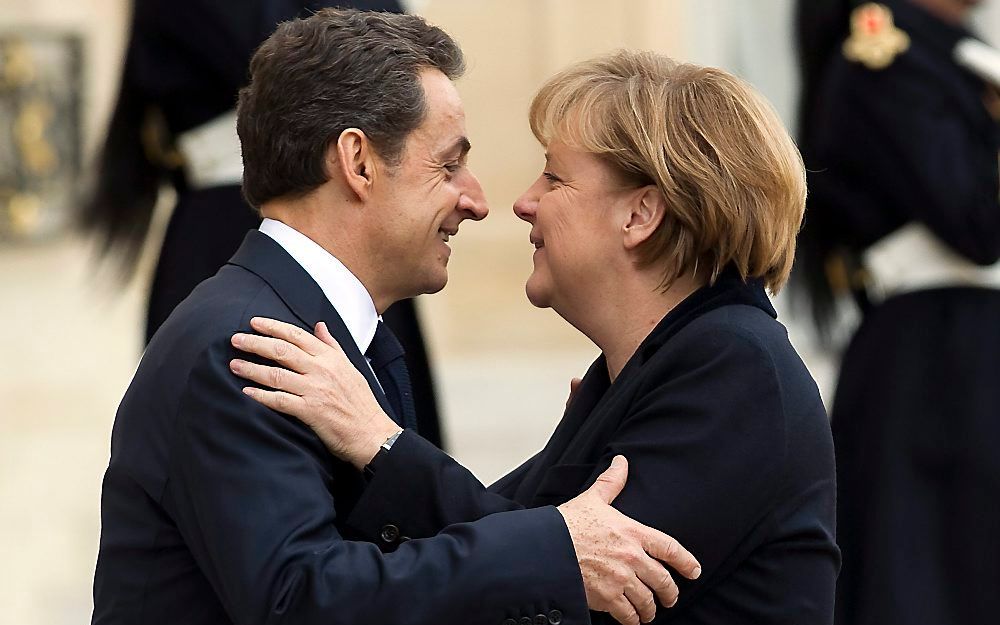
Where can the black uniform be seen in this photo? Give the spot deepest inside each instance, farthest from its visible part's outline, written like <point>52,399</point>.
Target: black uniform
<point>187,61</point>
<point>916,415</point>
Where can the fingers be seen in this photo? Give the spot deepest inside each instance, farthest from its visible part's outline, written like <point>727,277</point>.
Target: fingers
<point>623,611</point>
<point>323,334</point>
<point>280,401</point>
<point>657,579</point>
<point>610,483</point>
<point>288,332</point>
<point>278,350</point>
<point>666,549</point>
<point>642,600</point>
<point>573,385</point>
<point>274,377</point>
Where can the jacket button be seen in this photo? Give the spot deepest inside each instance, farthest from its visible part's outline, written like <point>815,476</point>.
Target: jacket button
<point>555,617</point>
<point>541,619</point>
<point>510,621</point>
<point>389,533</point>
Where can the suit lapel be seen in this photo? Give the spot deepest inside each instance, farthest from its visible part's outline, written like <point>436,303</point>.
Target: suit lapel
<point>262,256</point>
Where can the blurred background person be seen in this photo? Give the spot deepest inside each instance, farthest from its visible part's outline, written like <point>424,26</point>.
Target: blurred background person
<point>174,124</point>
<point>899,132</point>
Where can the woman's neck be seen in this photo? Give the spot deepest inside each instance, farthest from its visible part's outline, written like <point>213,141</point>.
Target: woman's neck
<point>623,319</point>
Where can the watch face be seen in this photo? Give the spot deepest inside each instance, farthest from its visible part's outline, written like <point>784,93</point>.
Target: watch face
<point>389,442</point>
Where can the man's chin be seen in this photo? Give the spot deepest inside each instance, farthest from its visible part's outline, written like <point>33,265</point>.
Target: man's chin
<point>434,284</point>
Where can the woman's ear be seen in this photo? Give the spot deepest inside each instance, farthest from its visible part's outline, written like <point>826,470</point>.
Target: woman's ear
<point>351,158</point>
<point>648,209</point>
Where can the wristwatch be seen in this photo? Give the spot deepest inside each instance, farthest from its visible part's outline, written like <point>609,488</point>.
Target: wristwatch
<point>383,450</point>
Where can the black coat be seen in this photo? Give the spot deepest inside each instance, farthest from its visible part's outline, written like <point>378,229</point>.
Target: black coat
<point>216,509</point>
<point>729,451</point>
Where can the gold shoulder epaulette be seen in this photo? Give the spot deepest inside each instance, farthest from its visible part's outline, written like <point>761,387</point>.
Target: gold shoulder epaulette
<point>875,40</point>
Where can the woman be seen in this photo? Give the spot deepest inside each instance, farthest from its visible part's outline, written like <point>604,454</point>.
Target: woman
<point>900,136</point>
<point>670,199</point>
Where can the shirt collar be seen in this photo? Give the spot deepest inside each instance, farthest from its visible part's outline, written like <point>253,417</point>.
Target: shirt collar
<point>346,293</point>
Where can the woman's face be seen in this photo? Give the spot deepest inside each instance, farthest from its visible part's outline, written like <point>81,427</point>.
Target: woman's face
<point>577,210</point>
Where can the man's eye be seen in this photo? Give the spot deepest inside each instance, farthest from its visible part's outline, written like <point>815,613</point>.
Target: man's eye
<point>452,167</point>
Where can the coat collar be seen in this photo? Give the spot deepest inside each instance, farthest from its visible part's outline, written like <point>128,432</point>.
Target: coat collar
<point>264,257</point>
<point>729,289</point>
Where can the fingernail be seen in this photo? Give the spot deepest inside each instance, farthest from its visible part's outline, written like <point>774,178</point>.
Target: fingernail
<point>237,340</point>
<point>673,603</point>
<point>234,366</point>
<point>696,573</point>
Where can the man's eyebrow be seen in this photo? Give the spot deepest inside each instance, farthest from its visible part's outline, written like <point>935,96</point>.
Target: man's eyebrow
<point>461,146</point>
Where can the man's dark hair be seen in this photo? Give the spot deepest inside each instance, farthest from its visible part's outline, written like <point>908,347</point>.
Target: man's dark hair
<point>315,77</point>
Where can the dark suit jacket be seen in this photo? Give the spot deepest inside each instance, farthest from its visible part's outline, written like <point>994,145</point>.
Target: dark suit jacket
<point>729,451</point>
<point>218,510</point>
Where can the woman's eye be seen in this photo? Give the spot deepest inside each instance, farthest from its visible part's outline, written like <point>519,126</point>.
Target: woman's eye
<point>552,178</point>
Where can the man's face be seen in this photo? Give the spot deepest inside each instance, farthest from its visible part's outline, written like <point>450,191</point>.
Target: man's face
<point>422,200</point>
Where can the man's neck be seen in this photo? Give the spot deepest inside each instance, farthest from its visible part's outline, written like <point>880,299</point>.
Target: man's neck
<point>335,232</point>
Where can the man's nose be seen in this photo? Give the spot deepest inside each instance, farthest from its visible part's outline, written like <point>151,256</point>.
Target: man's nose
<point>472,201</point>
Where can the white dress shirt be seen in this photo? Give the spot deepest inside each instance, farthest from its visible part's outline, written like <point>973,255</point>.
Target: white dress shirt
<point>342,288</point>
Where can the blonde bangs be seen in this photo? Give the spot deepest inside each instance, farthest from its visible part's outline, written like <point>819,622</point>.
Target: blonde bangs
<point>570,106</point>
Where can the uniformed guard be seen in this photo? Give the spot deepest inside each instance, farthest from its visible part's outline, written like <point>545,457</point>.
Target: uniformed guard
<point>900,137</point>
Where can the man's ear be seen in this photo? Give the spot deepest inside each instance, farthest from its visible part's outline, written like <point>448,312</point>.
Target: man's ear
<point>647,210</point>
<point>351,158</point>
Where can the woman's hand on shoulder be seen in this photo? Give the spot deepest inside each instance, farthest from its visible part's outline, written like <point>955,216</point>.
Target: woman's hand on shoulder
<point>317,384</point>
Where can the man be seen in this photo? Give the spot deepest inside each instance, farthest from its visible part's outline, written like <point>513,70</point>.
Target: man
<point>217,510</point>
<point>184,65</point>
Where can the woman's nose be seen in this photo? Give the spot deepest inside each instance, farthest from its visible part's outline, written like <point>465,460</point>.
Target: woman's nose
<point>524,206</point>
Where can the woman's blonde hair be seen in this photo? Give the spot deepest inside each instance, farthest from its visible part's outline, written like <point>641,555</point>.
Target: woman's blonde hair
<point>732,178</point>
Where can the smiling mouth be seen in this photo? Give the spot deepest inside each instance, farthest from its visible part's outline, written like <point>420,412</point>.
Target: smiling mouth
<point>446,234</point>
<point>538,243</point>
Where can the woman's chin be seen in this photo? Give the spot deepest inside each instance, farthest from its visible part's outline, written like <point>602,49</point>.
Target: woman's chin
<point>537,294</point>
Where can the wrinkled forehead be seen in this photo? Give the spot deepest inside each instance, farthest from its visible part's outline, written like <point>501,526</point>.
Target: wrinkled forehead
<point>443,124</point>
